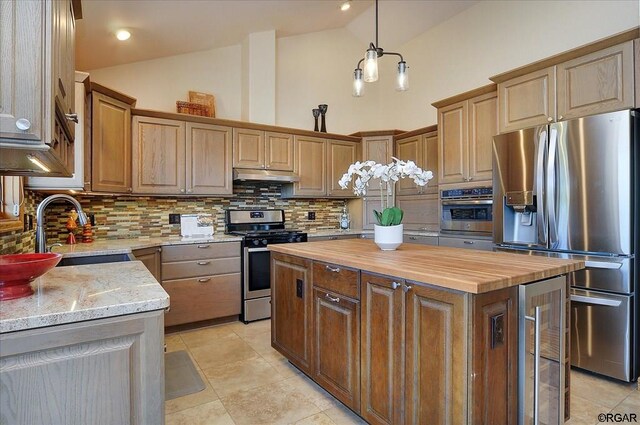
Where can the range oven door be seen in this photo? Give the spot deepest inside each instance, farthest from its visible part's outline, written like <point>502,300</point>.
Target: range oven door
<point>256,273</point>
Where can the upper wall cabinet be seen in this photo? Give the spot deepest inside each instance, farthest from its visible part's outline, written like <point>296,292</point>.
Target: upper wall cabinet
<point>258,149</point>
<point>380,150</point>
<point>37,84</point>
<point>178,158</point>
<point>421,148</point>
<point>586,81</point>
<point>467,124</point>
<point>320,163</point>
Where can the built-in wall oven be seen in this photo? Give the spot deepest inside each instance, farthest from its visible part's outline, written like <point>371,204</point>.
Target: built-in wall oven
<point>467,211</point>
<point>259,228</point>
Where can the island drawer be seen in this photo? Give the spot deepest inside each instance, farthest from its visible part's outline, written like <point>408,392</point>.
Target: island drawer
<point>204,298</point>
<point>205,267</point>
<point>199,251</point>
<point>338,279</point>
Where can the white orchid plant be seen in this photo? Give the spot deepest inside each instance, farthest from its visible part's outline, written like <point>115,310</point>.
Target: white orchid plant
<point>389,174</point>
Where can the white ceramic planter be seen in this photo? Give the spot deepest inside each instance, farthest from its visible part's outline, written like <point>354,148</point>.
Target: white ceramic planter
<point>388,238</point>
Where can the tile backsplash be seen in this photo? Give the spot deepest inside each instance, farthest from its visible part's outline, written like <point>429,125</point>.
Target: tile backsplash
<point>119,217</point>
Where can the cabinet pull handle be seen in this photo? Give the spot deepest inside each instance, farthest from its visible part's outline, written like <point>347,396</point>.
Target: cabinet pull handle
<point>406,288</point>
<point>395,285</point>
<point>203,263</point>
<point>204,279</point>
<point>203,246</point>
<point>333,269</point>
<point>333,238</point>
<point>536,362</point>
<point>468,242</point>
<point>72,117</point>
<point>413,238</point>
<point>330,298</point>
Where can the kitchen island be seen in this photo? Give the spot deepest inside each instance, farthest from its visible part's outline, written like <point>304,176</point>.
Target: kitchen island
<point>87,347</point>
<point>419,335</point>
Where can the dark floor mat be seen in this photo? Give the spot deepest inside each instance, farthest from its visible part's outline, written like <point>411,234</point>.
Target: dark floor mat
<point>181,376</point>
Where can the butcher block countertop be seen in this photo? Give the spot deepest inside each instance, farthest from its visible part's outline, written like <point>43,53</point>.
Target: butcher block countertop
<point>453,268</point>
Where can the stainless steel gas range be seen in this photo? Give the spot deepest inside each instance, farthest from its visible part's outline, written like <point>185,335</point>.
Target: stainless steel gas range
<point>258,228</point>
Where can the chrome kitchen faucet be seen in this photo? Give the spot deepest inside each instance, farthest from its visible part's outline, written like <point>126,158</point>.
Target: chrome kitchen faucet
<point>41,237</point>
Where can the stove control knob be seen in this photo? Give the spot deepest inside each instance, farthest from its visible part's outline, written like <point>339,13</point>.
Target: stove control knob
<point>256,242</point>
<point>299,239</point>
<point>264,242</point>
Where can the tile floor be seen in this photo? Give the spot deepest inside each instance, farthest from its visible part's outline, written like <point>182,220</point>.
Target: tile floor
<point>248,382</point>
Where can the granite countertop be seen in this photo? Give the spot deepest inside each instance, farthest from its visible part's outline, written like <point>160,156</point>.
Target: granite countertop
<point>460,269</point>
<point>125,246</point>
<point>78,293</point>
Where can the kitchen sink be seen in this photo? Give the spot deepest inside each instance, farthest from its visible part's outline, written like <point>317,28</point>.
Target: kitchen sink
<point>95,259</point>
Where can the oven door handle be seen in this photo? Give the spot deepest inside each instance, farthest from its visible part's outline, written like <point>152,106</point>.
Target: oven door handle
<point>250,250</point>
<point>468,202</point>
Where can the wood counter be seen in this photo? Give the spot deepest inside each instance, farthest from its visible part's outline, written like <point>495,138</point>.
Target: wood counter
<point>452,268</point>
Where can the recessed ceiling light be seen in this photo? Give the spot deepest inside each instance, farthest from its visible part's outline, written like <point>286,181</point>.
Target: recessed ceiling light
<point>346,5</point>
<point>123,35</point>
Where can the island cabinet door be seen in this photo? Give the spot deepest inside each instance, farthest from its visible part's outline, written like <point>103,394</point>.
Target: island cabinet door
<point>336,339</point>
<point>291,302</point>
<point>381,349</point>
<point>435,359</point>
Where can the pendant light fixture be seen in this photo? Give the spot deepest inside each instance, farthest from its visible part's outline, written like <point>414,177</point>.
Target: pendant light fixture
<point>369,72</point>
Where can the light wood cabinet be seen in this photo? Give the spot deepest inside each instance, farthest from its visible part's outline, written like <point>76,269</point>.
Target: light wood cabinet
<point>174,157</point>
<point>381,348</point>
<point>203,281</point>
<point>336,336</point>
<point>422,240</point>
<point>151,258</point>
<point>110,144</point>
<point>420,212</point>
<point>37,84</point>
<point>310,165</point>
<point>527,100</point>
<point>380,150</point>
<point>465,136</point>
<point>97,371</point>
<point>262,150</point>
<point>596,83</point>
<point>291,306</point>
<point>423,150</point>
<point>340,155</point>
<point>208,160</point>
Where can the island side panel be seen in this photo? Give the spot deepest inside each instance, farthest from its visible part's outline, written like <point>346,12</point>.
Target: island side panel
<point>494,357</point>
<point>436,355</point>
<point>291,306</point>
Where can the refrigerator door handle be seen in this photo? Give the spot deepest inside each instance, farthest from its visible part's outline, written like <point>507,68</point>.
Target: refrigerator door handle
<point>539,181</point>
<point>595,300</point>
<point>551,187</point>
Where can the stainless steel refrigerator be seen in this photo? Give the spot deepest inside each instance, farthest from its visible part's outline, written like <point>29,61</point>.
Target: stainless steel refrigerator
<point>570,190</point>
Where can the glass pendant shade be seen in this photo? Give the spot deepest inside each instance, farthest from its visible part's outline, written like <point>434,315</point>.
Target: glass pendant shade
<point>371,66</point>
<point>358,83</point>
<point>402,82</point>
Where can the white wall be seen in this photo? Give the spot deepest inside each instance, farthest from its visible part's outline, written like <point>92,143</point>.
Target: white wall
<point>493,37</point>
<point>259,78</point>
<point>158,83</point>
<point>458,55</point>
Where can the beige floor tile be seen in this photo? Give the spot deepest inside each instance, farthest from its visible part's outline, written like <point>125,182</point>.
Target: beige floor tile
<point>317,419</point>
<point>278,403</point>
<point>212,413</point>
<point>599,390</point>
<point>242,375</point>
<point>174,343</point>
<point>272,356</point>
<point>207,336</point>
<point>584,412</point>
<point>340,415</point>
<point>284,368</point>
<point>631,404</point>
<point>191,400</point>
<point>253,328</point>
<point>260,342</point>
<point>223,352</point>
<point>312,391</point>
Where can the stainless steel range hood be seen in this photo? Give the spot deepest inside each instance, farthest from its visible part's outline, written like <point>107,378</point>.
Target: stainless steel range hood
<point>29,159</point>
<point>242,174</point>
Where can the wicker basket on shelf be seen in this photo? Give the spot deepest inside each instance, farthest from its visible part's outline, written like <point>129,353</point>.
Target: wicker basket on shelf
<point>205,99</point>
<point>192,108</point>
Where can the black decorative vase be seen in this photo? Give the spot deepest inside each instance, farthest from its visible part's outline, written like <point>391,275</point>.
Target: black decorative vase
<point>316,114</point>
<point>323,111</point>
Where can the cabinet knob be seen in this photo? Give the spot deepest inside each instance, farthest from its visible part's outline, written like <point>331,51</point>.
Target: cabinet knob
<point>406,288</point>
<point>469,179</point>
<point>267,166</point>
<point>189,190</point>
<point>395,285</point>
<point>128,189</point>
<point>72,117</point>
<point>23,124</point>
<point>549,119</point>
<point>560,118</point>
<point>181,190</point>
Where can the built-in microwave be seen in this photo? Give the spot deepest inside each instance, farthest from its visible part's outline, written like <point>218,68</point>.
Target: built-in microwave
<point>467,211</point>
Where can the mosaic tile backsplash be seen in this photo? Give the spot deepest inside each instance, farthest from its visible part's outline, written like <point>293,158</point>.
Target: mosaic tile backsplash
<point>121,217</point>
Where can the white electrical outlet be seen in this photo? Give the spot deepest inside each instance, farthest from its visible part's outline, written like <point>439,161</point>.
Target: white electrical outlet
<point>16,210</point>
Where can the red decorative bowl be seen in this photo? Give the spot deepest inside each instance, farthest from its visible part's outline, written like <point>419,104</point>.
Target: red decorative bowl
<point>17,271</point>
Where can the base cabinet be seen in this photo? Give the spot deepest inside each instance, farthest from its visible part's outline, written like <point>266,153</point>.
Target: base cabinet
<point>106,371</point>
<point>151,258</point>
